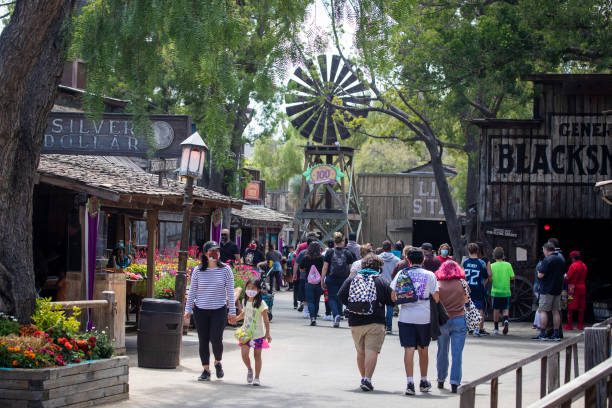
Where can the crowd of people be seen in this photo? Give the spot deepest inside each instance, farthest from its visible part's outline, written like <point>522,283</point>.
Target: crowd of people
<point>433,296</point>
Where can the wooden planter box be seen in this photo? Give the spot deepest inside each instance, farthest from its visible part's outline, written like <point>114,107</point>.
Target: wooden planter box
<point>78,385</point>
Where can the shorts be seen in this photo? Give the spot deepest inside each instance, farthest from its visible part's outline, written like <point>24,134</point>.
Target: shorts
<point>479,303</point>
<point>414,335</point>
<point>549,303</point>
<point>501,303</point>
<point>368,337</point>
<point>260,343</point>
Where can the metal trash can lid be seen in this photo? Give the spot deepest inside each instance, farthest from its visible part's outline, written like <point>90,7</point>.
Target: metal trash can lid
<point>161,306</point>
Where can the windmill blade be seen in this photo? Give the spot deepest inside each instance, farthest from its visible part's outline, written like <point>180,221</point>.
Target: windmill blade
<point>311,123</point>
<point>312,69</point>
<point>334,68</point>
<point>343,131</point>
<point>295,109</point>
<point>295,86</point>
<point>323,66</point>
<point>330,130</point>
<point>306,78</point>
<point>349,81</point>
<point>343,73</point>
<point>319,132</point>
<point>358,100</point>
<point>293,98</point>
<point>360,87</point>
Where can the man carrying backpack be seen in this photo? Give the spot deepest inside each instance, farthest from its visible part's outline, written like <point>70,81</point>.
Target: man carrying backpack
<point>365,296</point>
<point>412,288</point>
<point>336,268</point>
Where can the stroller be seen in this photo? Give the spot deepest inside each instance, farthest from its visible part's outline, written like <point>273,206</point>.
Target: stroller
<point>267,292</point>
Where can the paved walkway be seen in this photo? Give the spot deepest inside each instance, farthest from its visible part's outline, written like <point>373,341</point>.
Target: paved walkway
<point>315,366</point>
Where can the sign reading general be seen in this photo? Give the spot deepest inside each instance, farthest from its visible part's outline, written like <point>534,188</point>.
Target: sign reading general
<point>577,151</point>
<point>113,135</point>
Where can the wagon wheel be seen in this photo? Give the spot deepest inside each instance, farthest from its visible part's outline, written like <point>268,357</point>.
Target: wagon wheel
<point>521,301</point>
<point>309,91</point>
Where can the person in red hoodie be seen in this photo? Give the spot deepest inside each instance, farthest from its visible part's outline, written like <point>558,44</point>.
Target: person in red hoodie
<point>576,289</point>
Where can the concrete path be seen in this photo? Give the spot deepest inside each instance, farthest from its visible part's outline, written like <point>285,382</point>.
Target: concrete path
<point>315,367</point>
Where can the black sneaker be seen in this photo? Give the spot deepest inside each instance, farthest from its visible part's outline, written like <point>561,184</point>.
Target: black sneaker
<point>483,332</point>
<point>440,384</point>
<point>505,331</point>
<point>539,337</point>
<point>424,386</point>
<point>205,376</point>
<point>300,307</point>
<point>555,337</point>
<point>313,322</point>
<point>366,385</point>
<point>470,332</point>
<point>219,370</point>
<point>454,388</point>
<point>410,389</point>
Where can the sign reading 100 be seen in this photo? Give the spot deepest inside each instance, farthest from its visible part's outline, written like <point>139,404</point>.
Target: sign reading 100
<point>323,174</point>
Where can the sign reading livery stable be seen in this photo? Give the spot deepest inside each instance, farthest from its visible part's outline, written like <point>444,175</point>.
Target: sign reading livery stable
<point>113,135</point>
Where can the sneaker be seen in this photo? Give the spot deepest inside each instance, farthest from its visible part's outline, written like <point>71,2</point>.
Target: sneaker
<point>306,315</point>
<point>454,388</point>
<point>389,332</point>
<point>205,376</point>
<point>300,307</point>
<point>424,386</point>
<point>440,384</point>
<point>505,331</point>
<point>539,337</point>
<point>219,370</point>
<point>328,318</point>
<point>313,322</point>
<point>249,376</point>
<point>555,337</point>
<point>470,332</point>
<point>366,385</point>
<point>337,321</point>
<point>256,382</point>
<point>410,389</point>
<point>483,332</point>
<point>495,331</point>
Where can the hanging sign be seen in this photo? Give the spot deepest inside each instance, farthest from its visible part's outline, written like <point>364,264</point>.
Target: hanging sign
<point>251,192</point>
<point>323,174</point>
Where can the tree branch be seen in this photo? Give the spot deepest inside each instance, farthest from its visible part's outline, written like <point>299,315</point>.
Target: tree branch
<point>7,4</point>
<point>5,15</point>
<point>391,137</point>
<point>483,109</point>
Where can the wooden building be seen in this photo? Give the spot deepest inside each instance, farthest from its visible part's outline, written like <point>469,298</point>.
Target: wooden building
<point>402,206</point>
<point>260,223</point>
<point>537,177</point>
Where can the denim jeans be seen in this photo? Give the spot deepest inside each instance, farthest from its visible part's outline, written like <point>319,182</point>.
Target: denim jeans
<point>313,297</point>
<point>453,334</point>
<point>389,317</point>
<point>333,286</point>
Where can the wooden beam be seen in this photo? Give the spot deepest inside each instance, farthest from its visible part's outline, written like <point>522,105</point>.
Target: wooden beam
<point>151,246</point>
<point>77,186</point>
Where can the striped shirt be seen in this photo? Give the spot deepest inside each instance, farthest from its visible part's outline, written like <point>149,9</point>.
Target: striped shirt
<point>211,288</point>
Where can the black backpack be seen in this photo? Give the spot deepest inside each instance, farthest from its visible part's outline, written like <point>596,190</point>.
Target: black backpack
<point>339,266</point>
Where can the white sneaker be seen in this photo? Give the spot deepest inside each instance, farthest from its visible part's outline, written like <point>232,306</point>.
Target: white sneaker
<point>495,331</point>
<point>327,318</point>
<point>256,382</point>
<point>306,315</point>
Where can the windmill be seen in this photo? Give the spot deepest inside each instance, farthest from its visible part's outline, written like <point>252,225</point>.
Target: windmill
<point>328,199</point>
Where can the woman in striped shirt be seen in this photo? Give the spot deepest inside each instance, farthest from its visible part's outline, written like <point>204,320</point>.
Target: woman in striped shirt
<point>210,294</point>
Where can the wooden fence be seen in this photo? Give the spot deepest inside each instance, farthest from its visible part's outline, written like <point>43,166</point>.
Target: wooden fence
<point>108,306</point>
<point>597,349</point>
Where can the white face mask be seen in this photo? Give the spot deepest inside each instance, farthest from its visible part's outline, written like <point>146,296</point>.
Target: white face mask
<point>251,293</point>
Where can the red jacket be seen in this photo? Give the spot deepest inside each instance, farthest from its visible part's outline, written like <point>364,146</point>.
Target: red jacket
<point>576,275</point>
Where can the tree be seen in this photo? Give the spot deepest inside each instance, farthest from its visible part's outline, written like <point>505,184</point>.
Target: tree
<point>432,65</point>
<point>32,51</point>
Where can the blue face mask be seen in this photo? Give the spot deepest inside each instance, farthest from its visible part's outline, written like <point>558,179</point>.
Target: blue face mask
<point>444,252</point>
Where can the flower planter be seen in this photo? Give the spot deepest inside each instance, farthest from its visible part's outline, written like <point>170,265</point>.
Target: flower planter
<point>78,385</point>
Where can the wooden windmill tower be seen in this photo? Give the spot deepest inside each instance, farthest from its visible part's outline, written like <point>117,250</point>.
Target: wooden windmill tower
<point>328,200</point>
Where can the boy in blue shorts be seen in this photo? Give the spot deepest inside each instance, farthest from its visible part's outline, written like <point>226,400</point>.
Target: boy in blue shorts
<point>501,275</point>
<point>476,275</point>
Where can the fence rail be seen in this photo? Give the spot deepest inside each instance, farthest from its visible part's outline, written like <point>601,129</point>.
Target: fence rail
<point>550,375</point>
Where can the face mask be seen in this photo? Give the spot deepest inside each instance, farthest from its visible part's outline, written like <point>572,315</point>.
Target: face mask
<point>252,246</point>
<point>224,238</point>
<point>251,293</point>
<point>214,256</point>
<point>444,252</point>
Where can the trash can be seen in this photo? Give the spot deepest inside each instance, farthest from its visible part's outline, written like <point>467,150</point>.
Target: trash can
<point>159,333</point>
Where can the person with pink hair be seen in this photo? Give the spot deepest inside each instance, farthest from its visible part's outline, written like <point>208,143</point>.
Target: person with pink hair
<point>453,296</point>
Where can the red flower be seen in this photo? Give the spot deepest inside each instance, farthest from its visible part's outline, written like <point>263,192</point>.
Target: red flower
<point>68,346</point>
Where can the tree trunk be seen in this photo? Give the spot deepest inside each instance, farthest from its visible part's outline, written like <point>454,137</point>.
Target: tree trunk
<point>452,222</point>
<point>32,55</point>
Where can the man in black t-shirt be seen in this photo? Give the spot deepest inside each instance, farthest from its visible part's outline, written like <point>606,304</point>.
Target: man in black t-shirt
<point>336,268</point>
<point>550,274</point>
<point>228,250</point>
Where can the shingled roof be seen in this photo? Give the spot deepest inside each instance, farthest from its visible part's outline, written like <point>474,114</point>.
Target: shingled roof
<point>115,182</point>
<point>257,214</point>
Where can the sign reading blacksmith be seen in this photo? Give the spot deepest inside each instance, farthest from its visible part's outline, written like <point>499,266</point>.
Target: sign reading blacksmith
<point>113,135</point>
<point>577,151</point>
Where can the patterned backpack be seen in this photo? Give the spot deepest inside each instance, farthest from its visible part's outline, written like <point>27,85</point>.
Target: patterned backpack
<point>404,289</point>
<point>362,295</point>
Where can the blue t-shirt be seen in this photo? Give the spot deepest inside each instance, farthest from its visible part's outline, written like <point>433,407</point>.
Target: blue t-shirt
<point>475,274</point>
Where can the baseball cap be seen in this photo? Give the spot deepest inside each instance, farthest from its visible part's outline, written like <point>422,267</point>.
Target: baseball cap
<point>209,246</point>
<point>426,246</point>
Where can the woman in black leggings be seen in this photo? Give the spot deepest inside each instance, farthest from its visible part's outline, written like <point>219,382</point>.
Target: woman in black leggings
<point>210,293</point>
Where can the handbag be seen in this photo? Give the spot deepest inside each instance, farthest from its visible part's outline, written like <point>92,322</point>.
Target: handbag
<point>245,335</point>
<point>472,315</point>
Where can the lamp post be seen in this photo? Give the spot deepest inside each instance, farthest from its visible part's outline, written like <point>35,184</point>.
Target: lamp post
<point>192,163</point>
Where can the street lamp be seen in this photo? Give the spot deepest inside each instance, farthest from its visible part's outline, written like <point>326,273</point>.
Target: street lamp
<point>192,163</point>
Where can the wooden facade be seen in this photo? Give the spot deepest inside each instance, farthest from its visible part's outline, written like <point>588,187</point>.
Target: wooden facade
<point>392,202</point>
<point>537,176</point>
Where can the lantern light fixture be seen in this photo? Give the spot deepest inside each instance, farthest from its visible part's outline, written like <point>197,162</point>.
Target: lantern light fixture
<point>193,156</point>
